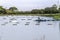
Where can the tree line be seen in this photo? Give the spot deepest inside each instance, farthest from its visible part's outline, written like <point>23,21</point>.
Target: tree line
<point>48,10</point>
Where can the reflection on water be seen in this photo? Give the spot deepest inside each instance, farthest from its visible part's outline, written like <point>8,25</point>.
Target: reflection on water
<point>25,28</point>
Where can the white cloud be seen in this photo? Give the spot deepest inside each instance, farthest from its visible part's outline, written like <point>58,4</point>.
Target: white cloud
<point>27,4</point>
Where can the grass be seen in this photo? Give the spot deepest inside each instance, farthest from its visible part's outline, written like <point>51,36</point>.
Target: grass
<point>55,16</point>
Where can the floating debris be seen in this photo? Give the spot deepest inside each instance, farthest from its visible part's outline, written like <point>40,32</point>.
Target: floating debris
<point>9,21</point>
<point>4,18</point>
<point>14,24</point>
<point>37,24</point>
<point>13,19</point>
<point>26,24</point>
<point>4,23</point>
<point>29,19</point>
<point>17,22</point>
<point>49,24</point>
<point>22,19</point>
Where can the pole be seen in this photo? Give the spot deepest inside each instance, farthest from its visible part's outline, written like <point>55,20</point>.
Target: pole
<point>58,4</point>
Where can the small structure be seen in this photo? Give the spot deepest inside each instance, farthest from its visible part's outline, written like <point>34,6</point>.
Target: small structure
<point>39,20</point>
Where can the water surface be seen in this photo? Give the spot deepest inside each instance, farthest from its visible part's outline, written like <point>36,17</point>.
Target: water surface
<point>26,28</point>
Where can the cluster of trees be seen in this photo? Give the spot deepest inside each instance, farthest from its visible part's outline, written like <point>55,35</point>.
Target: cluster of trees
<point>11,10</point>
<point>48,10</point>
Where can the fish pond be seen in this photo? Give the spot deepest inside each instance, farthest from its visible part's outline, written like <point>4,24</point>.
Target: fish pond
<point>26,28</point>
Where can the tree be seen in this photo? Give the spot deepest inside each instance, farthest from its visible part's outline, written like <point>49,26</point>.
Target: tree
<point>13,9</point>
<point>35,11</point>
<point>41,11</point>
<point>47,10</point>
<point>59,9</point>
<point>8,11</point>
<point>54,8</point>
<point>2,10</point>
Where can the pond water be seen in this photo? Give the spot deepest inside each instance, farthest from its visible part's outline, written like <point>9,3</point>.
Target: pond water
<point>26,28</point>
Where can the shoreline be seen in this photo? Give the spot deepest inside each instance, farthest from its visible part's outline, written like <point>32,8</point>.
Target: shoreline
<point>55,16</point>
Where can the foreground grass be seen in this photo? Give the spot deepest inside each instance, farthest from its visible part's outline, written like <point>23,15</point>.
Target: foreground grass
<point>55,16</point>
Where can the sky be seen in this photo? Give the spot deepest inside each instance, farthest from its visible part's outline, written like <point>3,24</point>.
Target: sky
<point>27,5</point>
